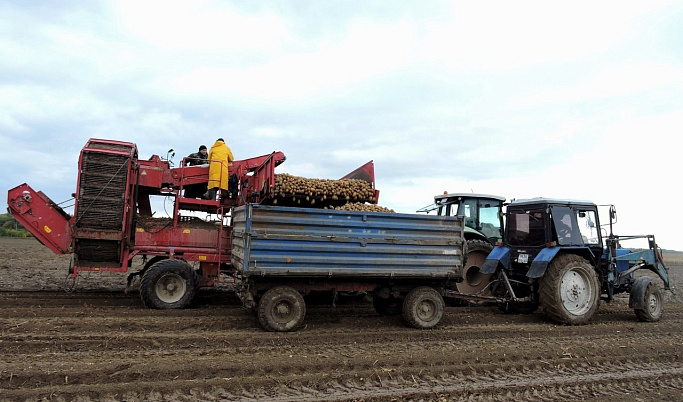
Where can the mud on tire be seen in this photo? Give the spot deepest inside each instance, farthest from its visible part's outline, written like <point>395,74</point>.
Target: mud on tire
<point>569,291</point>
<point>169,284</point>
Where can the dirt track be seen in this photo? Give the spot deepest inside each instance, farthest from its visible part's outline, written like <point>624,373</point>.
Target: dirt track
<point>96,344</point>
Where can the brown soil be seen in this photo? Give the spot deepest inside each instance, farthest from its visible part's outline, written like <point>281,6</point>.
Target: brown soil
<point>102,344</point>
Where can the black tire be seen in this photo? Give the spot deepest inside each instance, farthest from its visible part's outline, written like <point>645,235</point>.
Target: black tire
<point>388,306</point>
<point>169,284</point>
<point>474,281</point>
<point>569,291</point>
<point>281,309</point>
<point>654,304</point>
<point>423,307</point>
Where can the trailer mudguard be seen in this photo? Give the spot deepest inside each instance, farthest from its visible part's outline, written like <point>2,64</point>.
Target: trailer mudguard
<point>637,298</point>
<point>499,255</point>
<point>540,263</point>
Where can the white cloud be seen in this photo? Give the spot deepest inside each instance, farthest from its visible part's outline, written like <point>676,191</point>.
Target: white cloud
<point>499,36</point>
<point>610,82</point>
<point>207,26</point>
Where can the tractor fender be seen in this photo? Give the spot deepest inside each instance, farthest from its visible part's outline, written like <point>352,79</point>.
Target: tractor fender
<point>499,255</point>
<point>637,298</point>
<point>540,263</point>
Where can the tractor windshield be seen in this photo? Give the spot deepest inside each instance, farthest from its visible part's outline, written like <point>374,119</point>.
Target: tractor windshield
<point>526,227</point>
<point>574,226</point>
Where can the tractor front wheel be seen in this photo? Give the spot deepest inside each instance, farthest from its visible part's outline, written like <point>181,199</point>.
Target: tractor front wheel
<point>652,304</point>
<point>569,290</point>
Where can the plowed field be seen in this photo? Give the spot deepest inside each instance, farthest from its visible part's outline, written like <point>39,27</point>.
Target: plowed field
<point>99,343</point>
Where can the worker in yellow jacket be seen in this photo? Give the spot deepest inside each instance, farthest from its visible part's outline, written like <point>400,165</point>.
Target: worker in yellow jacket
<point>220,158</point>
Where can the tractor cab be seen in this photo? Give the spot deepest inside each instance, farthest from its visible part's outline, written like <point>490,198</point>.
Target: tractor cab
<point>483,213</point>
<point>555,255</point>
<point>536,226</point>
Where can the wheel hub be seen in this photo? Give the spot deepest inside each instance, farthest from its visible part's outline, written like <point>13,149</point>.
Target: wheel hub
<point>575,292</point>
<point>283,309</point>
<point>425,310</point>
<point>653,303</point>
<point>170,288</point>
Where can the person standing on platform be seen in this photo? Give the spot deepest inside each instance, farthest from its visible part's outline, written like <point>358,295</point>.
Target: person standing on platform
<point>220,158</point>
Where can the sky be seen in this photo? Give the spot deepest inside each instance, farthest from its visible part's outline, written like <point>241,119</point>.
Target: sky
<point>580,99</point>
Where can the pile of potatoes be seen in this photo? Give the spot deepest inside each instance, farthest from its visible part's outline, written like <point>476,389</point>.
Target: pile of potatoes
<point>305,192</point>
<point>357,206</point>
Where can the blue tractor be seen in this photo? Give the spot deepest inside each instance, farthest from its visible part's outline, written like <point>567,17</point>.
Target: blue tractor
<point>483,228</point>
<point>556,255</point>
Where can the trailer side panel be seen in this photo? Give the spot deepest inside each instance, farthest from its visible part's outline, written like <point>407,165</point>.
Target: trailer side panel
<point>306,242</point>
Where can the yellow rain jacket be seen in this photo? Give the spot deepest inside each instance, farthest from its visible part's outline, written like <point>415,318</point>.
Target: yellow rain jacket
<point>220,157</point>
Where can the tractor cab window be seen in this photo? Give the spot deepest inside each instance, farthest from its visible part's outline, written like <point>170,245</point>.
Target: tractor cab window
<point>587,225</point>
<point>526,227</point>
<point>468,209</point>
<point>565,226</point>
<point>489,222</point>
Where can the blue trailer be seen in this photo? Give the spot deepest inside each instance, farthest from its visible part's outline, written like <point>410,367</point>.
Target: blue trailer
<point>406,261</point>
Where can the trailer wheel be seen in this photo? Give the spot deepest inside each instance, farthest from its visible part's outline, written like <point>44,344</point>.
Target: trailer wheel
<point>652,305</point>
<point>423,307</point>
<point>281,309</point>
<point>569,290</point>
<point>169,284</point>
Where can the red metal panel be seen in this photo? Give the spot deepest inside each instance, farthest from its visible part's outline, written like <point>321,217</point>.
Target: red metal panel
<point>42,217</point>
<point>151,173</point>
<point>367,173</point>
<point>148,235</point>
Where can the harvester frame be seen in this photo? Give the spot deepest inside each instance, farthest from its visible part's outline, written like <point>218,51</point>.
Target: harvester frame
<point>113,218</point>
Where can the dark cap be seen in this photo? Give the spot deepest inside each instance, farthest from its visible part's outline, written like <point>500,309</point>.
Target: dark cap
<point>220,139</point>
<point>202,147</point>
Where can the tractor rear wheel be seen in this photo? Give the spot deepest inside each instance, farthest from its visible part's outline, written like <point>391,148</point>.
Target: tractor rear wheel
<point>653,304</point>
<point>569,290</point>
<point>169,284</point>
<point>281,309</point>
<point>423,307</point>
<point>474,281</point>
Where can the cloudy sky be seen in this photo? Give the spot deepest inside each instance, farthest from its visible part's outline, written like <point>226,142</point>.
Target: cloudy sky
<point>578,99</point>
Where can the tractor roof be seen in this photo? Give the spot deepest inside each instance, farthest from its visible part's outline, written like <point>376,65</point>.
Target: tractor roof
<point>549,201</point>
<point>468,195</point>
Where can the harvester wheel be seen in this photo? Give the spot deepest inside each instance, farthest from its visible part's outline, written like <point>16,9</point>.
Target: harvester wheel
<point>569,290</point>
<point>281,309</point>
<point>653,304</point>
<point>423,307</point>
<point>169,284</point>
<point>474,281</point>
